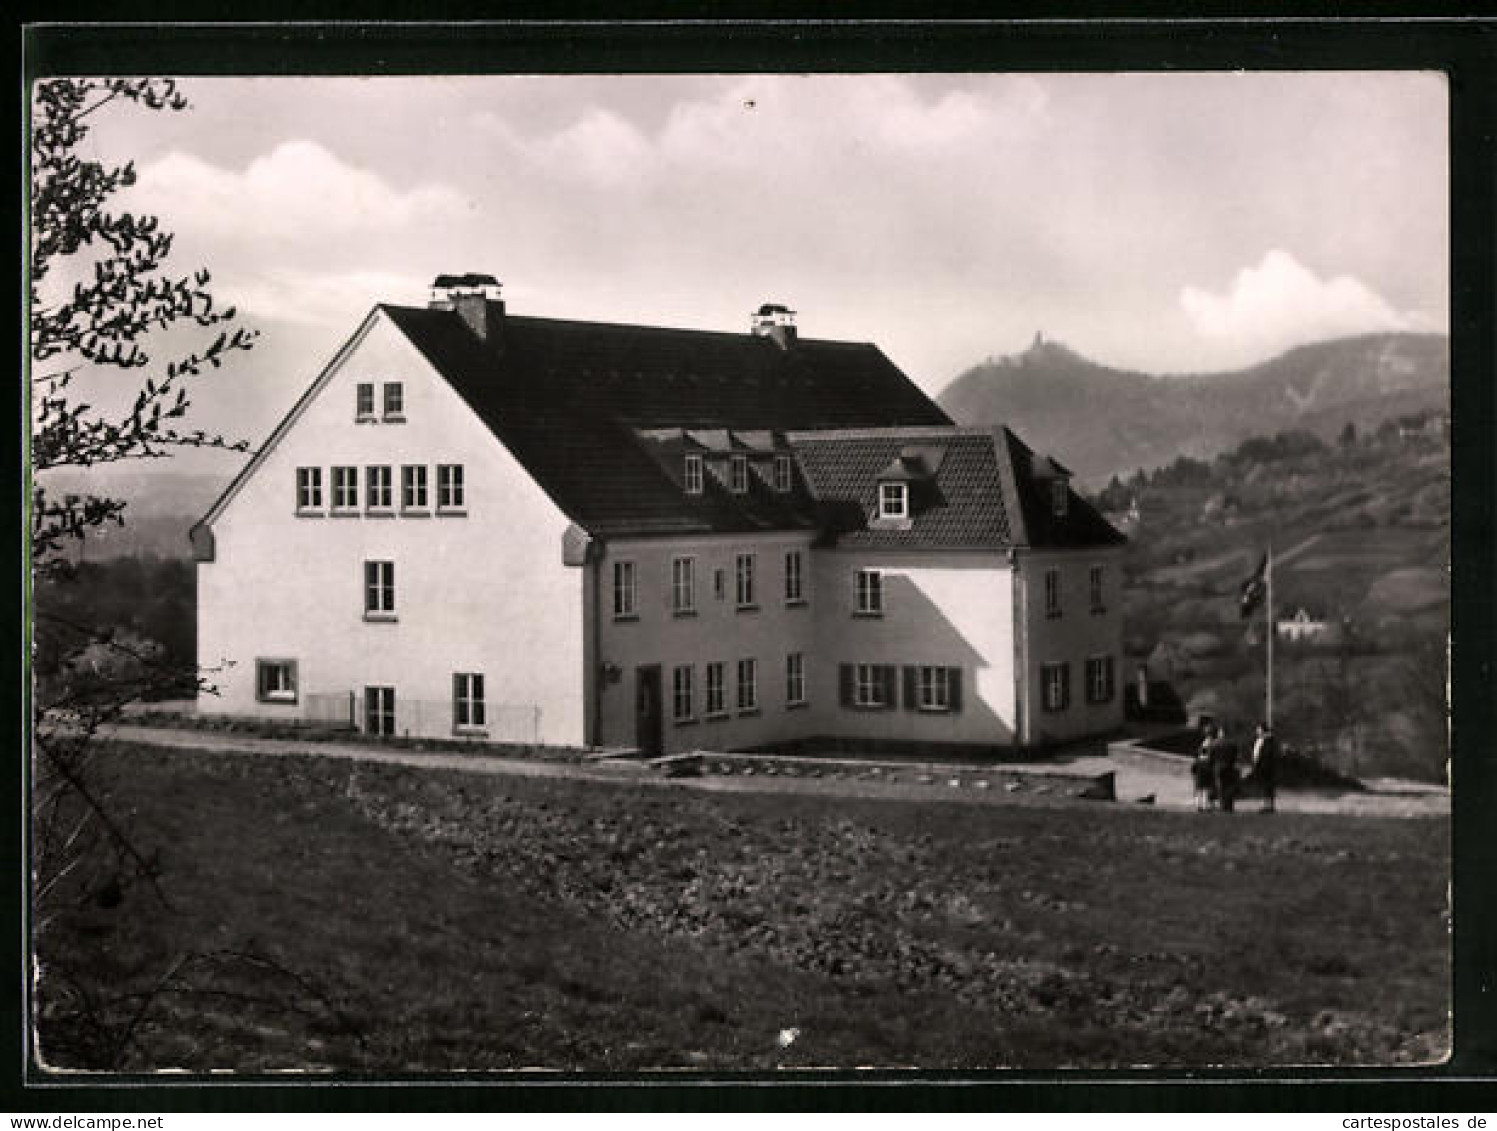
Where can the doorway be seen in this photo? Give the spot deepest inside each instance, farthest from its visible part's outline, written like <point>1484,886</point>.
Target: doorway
<point>647,713</point>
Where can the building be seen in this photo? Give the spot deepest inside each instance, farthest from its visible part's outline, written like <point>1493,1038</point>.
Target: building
<point>520,529</point>
<point>1303,626</point>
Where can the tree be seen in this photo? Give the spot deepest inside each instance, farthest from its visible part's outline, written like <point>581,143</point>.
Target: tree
<point>105,322</point>
<point>85,858</point>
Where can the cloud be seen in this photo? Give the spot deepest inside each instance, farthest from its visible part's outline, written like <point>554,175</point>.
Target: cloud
<point>1280,303</point>
<point>297,191</point>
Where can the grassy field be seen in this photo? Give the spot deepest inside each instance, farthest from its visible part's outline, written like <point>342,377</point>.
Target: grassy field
<point>386,919</point>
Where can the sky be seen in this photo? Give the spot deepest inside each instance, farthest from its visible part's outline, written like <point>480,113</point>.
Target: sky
<point>1166,222</point>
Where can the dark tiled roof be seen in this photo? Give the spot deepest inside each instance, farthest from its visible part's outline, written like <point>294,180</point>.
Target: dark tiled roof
<point>569,399</point>
<point>1082,525</point>
<point>982,495</point>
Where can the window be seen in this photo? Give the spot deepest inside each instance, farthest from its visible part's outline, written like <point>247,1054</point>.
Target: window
<point>449,486</point>
<point>625,591</point>
<point>309,488</point>
<point>929,687</point>
<point>682,704</point>
<point>893,500</point>
<point>467,701</point>
<point>868,686</point>
<point>1099,679</point>
<point>782,473</point>
<point>795,679</point>
<point>717,696</point>
<point>795,586</point>
<point>413,487</point>
<point>364,402</point>
<point>748,685</point>
<point>933,688</point>
<point>745,575</point>
<point>275,681</point>
<point>378,494</point>
<point>1052,593</point>
<point>683,586</point>
<point>869,584</point>
<point>738,474</point>
<point>394,401</point>
<point>379,711</point>
<point>693,475</point>
<point>345,488</point>
<point>1060,495</point>
<point>1056,680</point>
<point>1094,579</point>
<point>379,590</point>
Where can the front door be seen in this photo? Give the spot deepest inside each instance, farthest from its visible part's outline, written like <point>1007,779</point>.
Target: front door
<point>647,717</point>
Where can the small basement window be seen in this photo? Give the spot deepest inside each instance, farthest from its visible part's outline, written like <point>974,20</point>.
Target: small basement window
<point>275,681</point>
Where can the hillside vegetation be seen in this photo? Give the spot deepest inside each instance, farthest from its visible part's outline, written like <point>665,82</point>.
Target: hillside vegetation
<point>1360,532</point>
<point>1101,421</point>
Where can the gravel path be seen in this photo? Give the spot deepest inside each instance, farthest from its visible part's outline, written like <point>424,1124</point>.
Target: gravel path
<point>1052,781</point>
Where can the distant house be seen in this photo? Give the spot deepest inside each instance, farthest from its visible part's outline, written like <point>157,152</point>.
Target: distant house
<point>1302,626</point>
<point>484,526</point>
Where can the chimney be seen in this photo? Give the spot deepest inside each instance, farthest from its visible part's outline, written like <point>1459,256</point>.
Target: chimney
<point>775,322</point>
<point>476,300</point>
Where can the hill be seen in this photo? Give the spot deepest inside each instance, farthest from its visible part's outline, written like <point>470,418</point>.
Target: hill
<point>1102,421</point>
<point>1360,531</point>
<point>161,507</point>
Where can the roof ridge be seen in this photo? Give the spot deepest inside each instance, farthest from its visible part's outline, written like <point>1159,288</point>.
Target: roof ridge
<point>588,323</point>
<point>889,432</point>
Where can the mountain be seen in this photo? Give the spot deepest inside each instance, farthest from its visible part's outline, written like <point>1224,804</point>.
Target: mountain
<point>161,507</point>
<point>1101,421</point>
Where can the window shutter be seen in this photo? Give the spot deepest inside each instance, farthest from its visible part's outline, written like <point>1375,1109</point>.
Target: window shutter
<point>457,694</point>
<point>911,694</point>
<point>1065,685</point>
<point>954,688</point>
<point>845,678</point>
<point>891,686</point>
<point>263,678</point>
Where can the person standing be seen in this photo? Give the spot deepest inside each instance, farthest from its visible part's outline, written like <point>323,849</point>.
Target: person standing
<point>1224,767</point>
<point>1200,772</point>
<point>1265,765</point>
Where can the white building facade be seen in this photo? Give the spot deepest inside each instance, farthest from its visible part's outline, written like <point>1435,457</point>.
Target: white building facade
<point>487,528</point>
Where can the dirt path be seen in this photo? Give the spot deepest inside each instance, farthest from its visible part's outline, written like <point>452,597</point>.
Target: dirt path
<point>1040,782</point>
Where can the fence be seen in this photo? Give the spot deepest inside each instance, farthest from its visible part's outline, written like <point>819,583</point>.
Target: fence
<point>518,723</point>
<point>340,709</point>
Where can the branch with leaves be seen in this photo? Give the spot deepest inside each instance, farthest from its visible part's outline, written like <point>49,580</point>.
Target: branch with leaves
<point>105,321</point>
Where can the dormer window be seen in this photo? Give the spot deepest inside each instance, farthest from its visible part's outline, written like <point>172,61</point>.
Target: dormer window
<point>693,475</point>
<point>738,474</point>
<point>1060,496</point>
<point>782,473</point>
<point>364,401</point>
<point>893,500</point>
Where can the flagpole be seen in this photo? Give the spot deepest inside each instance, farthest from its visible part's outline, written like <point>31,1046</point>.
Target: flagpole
<point>1268,613</point>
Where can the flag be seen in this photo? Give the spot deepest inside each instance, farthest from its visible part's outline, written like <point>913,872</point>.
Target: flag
<point>1254,589</point>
